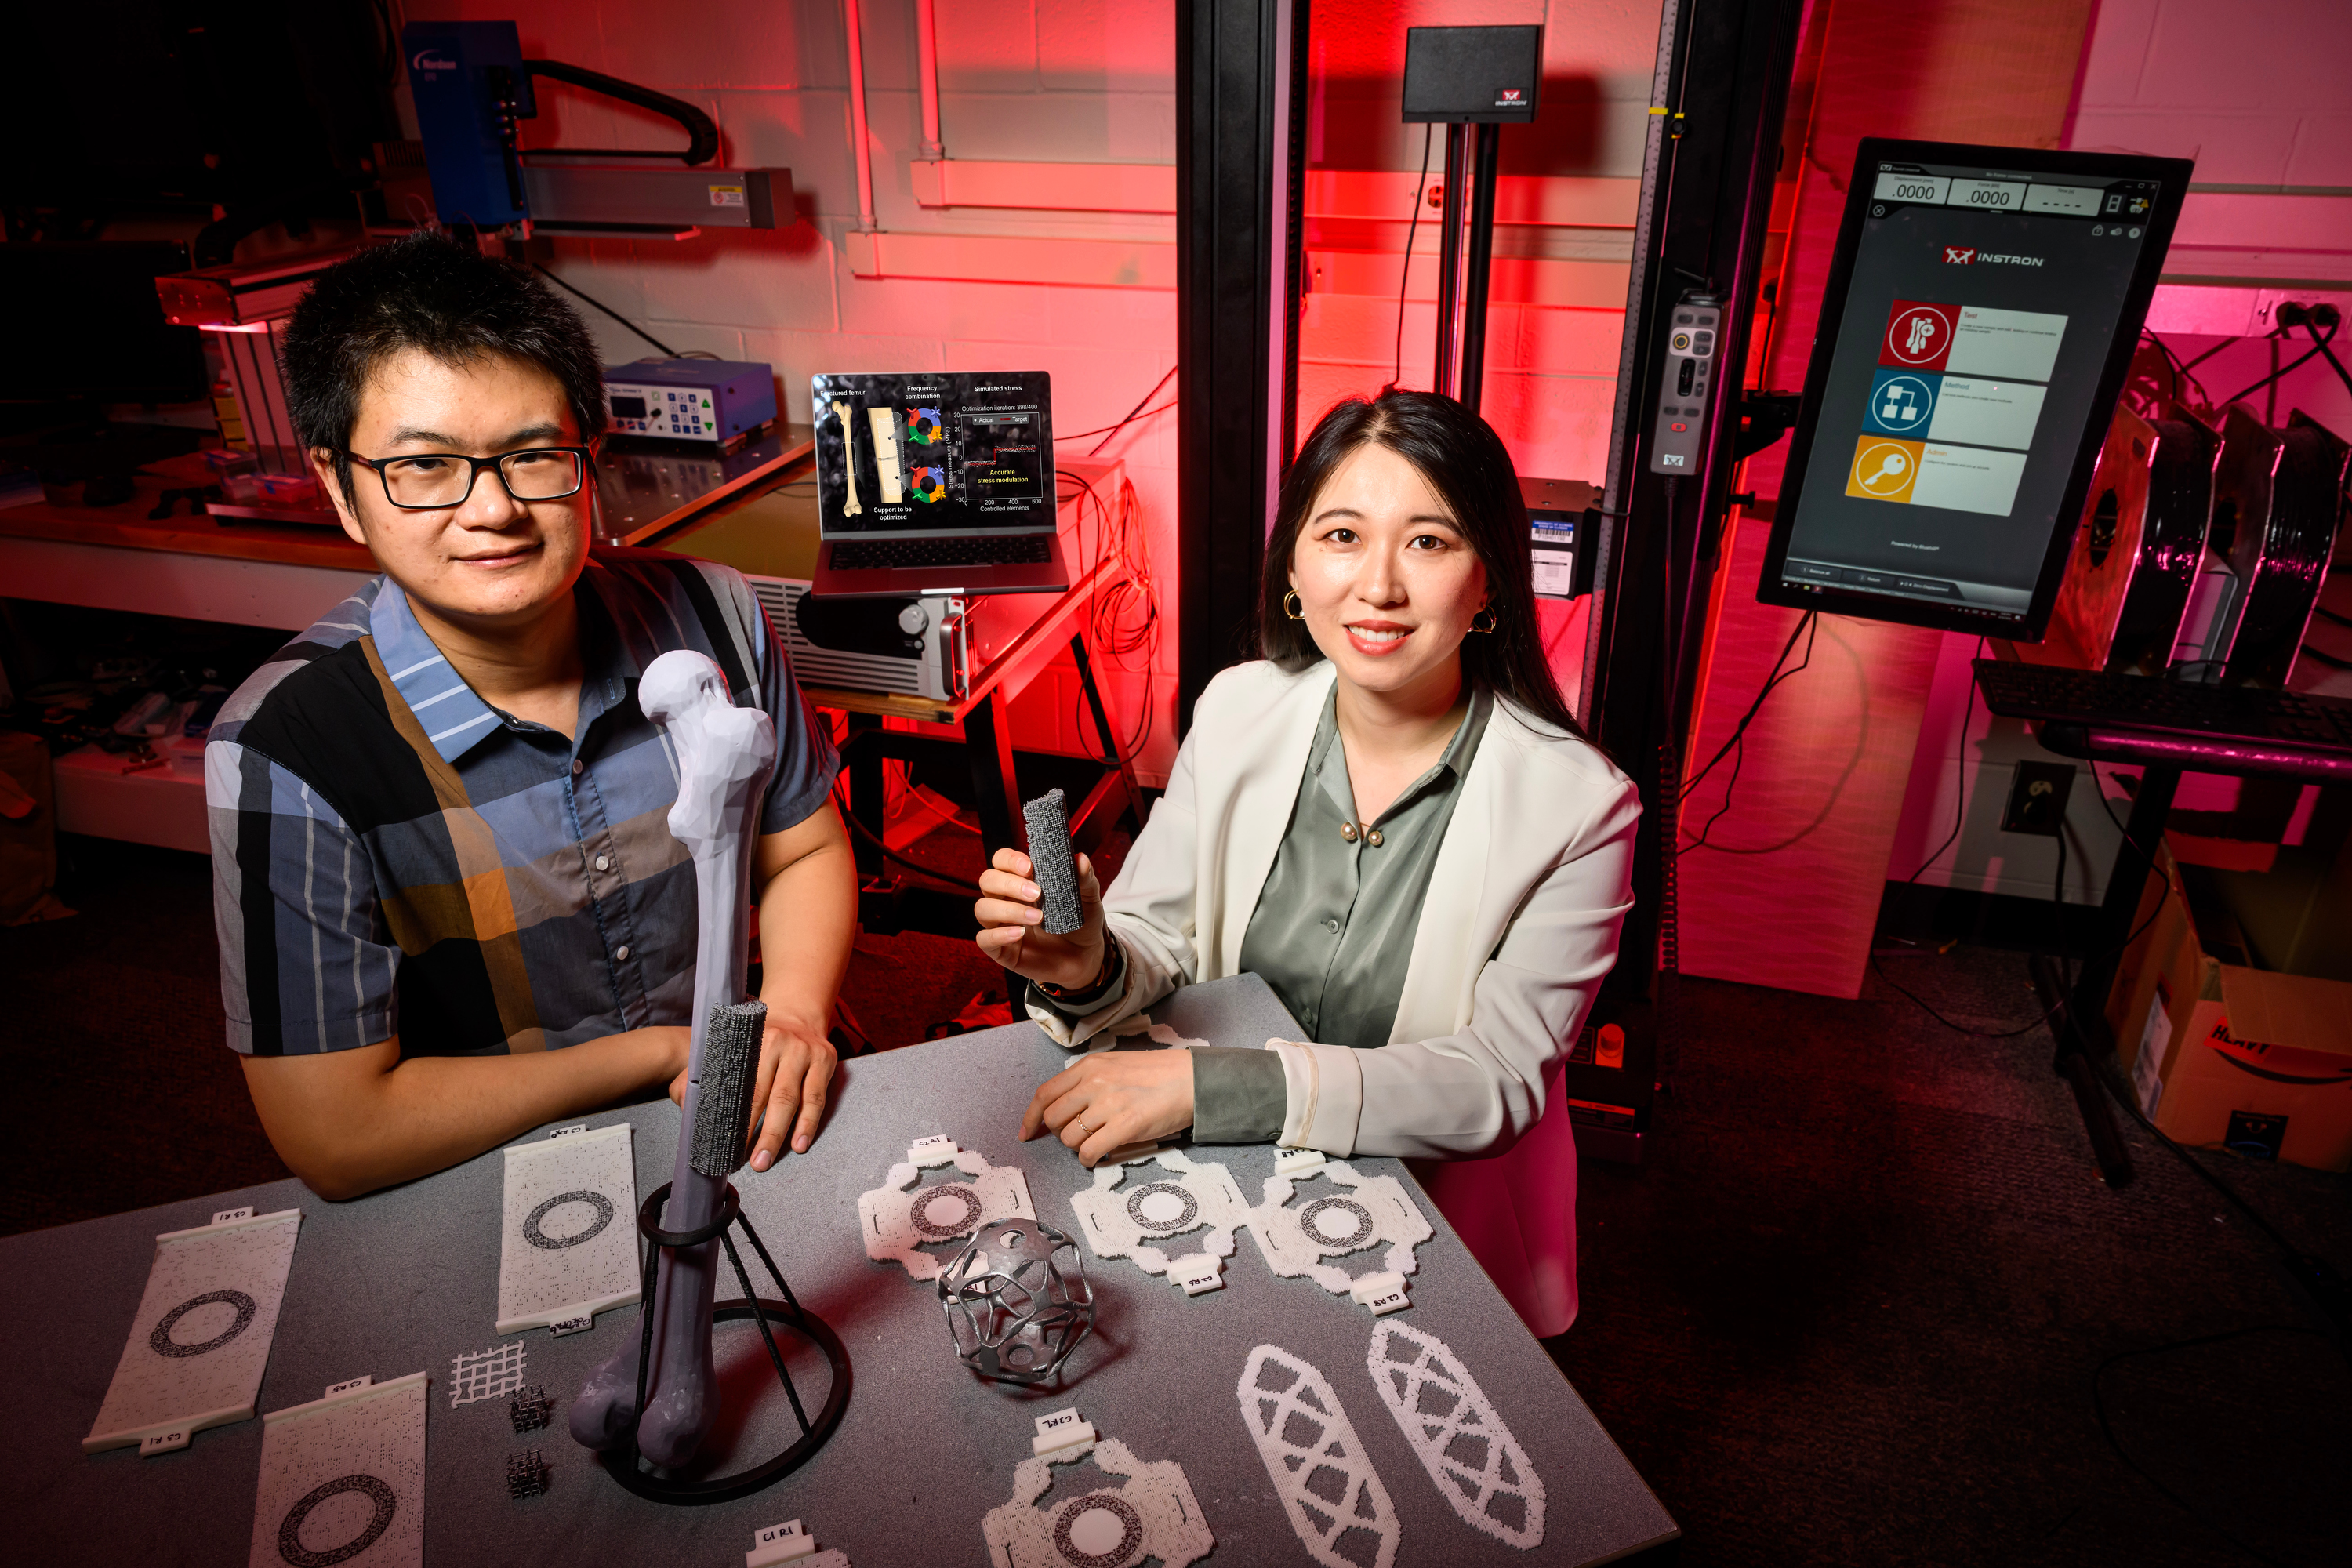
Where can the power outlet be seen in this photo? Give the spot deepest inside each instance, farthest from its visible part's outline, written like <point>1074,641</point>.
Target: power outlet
<point>2037,798</point>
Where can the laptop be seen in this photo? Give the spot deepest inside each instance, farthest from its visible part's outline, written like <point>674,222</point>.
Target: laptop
<point>935,484</point>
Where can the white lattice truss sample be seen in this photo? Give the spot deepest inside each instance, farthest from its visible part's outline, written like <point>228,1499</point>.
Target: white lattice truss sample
<point>1315,1459</point>
<point>1375,1209</point>
<point>1122,1220</point>
<point>897,1218</point>
<point>485,1374</point>
<point>1471,1457</point>
<point>1153,1514</point>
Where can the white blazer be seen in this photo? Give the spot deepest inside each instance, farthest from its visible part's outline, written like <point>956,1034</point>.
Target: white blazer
<point>1517,930</point>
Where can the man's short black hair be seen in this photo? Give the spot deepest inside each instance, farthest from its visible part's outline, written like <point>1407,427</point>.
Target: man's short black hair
<point>437,294</point>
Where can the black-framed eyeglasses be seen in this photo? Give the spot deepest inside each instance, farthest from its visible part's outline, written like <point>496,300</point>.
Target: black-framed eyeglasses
<point>430,481</point>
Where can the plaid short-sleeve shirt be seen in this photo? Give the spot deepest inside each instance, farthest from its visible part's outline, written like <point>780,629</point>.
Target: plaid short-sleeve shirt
<point>391,856</point>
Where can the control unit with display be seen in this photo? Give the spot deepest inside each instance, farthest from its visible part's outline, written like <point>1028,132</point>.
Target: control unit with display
<point>1982,307</point>
<point>1681,427</point>
<point>714,401</point>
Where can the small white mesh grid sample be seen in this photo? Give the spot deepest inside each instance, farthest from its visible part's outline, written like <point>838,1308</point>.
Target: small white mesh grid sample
<point>492,1374</point>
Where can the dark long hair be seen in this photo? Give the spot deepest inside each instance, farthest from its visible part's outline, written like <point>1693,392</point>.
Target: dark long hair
<point>1464,462</point>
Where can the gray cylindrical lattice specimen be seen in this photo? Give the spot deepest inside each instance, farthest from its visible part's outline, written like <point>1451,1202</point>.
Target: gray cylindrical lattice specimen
<point>731,1068</point>
<point>1053,867</point>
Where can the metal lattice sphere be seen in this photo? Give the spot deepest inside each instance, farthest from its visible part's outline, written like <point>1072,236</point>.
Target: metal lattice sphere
<point>1018,1301</point>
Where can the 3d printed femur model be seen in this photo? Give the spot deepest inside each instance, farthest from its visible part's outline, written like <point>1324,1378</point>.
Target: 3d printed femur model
<point>1018,1301</point>
<point>725,754</point>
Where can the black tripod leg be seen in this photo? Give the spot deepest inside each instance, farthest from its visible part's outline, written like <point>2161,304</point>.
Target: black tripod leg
<point>774,1273</point>
<point>767,1335</point>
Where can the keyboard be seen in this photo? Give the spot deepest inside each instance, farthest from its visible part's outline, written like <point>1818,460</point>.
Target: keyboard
<point>2110,703</point>
<point>998,550</point>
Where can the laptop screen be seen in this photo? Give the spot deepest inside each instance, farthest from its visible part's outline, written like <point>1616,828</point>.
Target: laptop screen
<point>917,455</point>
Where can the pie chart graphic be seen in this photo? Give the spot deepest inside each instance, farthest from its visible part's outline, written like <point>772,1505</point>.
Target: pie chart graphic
<point>929,485</point>
<point>923,427</point>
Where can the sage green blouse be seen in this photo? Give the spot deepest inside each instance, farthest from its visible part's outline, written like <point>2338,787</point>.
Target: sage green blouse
<point>1334,926</point>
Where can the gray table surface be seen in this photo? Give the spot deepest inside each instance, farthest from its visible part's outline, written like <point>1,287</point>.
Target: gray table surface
<point>405,1280</point>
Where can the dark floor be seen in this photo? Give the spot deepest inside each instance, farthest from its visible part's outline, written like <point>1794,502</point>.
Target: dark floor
<point>1849,1310</point>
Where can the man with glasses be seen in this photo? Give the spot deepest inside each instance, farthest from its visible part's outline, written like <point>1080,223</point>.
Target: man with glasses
<point>450,908</point>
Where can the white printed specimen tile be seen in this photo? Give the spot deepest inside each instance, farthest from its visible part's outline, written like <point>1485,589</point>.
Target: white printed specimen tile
<point>1124,1219</point>
<point>1152,1514</point>
<point>568,1245</point>
<point>342,1480</point>
<point>1374,1210</point>
<point>200,1337</point>
<point>1471,1457</point>
<point>898,1218</point>
<point>1318,1465</point>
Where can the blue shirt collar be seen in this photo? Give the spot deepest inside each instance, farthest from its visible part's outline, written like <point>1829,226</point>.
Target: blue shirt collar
<point>454,717</point>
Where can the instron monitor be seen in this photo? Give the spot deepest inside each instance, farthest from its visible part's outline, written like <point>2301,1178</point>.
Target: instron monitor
<point>1982,308</point>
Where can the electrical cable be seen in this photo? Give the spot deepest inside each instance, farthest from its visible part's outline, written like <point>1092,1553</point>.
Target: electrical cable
<point>1134,414</point>
<point>2164,892</point>
<point>908,789</point>
<point>1805,623</point>
<point>2208,354</point>
<point>2107,1428</point>
<point>887,853</point>
<point>2322,343</point>
<point>1959,779</point>
<point>1122,539</point>
<point>1413,229</point>
<point>2319,346</point>
<point>1738,746</point>
<point>2184,374</point>
<point>617,315</point>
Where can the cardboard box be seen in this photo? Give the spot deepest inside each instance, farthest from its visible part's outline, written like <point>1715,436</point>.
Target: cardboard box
<point>2228,1013</point>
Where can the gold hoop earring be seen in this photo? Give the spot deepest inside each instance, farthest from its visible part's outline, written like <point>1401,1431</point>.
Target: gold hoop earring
<point>1290,606</point>
<point>1493,620</point>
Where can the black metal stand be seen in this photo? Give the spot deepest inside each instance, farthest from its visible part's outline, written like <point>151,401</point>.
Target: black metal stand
<point>2081,1034</point>
<point>1465,256</point>
<point>626,1465</point>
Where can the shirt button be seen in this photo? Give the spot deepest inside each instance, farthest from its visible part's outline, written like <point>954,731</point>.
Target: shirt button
<point>1373,838</point>
<point>603,862</point>
<point>578,767</point>
<point>1332,926</point>
<point>621,952</point>
<point>1347,831</point>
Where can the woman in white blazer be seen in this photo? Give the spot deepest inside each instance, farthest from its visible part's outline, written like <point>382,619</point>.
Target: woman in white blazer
<point>1394,818</point>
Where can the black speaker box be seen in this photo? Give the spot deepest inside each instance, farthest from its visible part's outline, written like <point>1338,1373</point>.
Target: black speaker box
<point>1472,75</point>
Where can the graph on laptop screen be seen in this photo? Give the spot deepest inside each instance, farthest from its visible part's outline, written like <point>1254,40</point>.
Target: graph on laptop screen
<point>1981,311</point>
<point>911,455</point>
